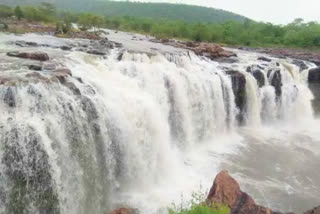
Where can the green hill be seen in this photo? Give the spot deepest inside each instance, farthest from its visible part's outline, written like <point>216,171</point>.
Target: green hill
<point>167,11</point>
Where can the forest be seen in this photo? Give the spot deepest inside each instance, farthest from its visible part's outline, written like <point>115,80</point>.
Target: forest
<point>247,33</point>
<point>180,12</point>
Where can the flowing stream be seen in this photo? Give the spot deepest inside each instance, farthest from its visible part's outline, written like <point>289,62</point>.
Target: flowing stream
<point>152,127</point>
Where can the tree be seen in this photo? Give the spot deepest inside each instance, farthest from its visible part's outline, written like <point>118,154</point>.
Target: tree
<point>18,13</point>
<point>5,11</point>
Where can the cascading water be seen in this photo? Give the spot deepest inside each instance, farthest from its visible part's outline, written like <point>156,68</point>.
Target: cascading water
<point>136,130</point>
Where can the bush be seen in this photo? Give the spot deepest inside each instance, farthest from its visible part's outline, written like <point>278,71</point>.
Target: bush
<point>5,11</point>
<point>202,209</point>
<point>197,206</point>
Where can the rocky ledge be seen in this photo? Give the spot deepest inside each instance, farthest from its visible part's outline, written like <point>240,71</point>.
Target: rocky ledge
<point>210,50</point>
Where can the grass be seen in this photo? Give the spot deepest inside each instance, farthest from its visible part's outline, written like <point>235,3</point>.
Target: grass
<point>202,209</point>
<point>197,205</point>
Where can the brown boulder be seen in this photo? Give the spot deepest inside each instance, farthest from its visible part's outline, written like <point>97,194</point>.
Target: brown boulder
<point>226,190</point>
<point>62,74</point>
<point>122,211</point>
<point>212,51</point>
<point>40,56</point>
<point>315,210</point>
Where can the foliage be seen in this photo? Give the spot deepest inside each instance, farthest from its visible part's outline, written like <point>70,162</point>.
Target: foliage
<point>245,33</point>
<point>202,209</point>
<point>88,20</point>
<point>197,206</point>
<point>248,33</point>
<point>37,14</point>
<point>163,11</point>
<point>5,11</point>
<point>18,13</point>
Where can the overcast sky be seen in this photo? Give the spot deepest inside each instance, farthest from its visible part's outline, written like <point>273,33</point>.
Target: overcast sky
<point>275,11</point>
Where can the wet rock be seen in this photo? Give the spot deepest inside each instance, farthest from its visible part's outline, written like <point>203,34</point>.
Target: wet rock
<point>276,82</point>
<point>4,80</point>
<point>64,70</point>
<point>315,210</point>
<point>226,190</point>
<point>35,67</point>
<point>49,67</point>
<point>62,74</point>
<point>96,52</point>
<point>79,79</point>
<point>258,75</point>
<point>37,76</point>
<point>302,66</point>
<point>40,56</point>
<point>9,97</point>
<point>239,89</point>
<point>262,58</point>
<point>317,62</point>
<point>212,51</point>
<point>122,211</point>
<point>226,60</point>
<point>120,56</point>
<point>118,45</point>
<point>314,75</point>
<point>73,88</point>
<point>65,48</point>
<point>26,44</point>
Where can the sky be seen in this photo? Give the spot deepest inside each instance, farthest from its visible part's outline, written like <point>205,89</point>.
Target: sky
<point>274,11</point>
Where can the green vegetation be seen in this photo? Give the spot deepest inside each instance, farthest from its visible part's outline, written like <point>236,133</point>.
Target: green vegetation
<point>202,209</point>
<point>163,11</point>
<point>18,13</point>
<point>5,11</point>
<point>247,33</point>
<point>197,206</point>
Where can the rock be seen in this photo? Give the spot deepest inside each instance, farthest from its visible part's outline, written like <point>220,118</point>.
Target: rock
<point>191,44</point>
<point>73,88</point>
<point>315,210</point>
<point>226,190</point>
<point>49,67</point>
<point>122,211</point>
<point>4,80</point>
<point>317,62</point>
<point>26,44</point>
<point>262,58</point>
<point>239,89</point>
<point>65,48</point>
<point>40,56</point>
<point>212,51</point>
<point>64,70</point>
<point>258,75</point>
<point>314,75</point>
<point>9,97</point>
<point>96,52</point>
<point>276,82</point>
<point>226,60</point>
<point>62,74</point>
<point>37,76</point>
<point>35,67</point>
<point>302,66</point>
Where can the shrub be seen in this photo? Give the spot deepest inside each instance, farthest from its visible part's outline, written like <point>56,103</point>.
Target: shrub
<point>197,206</point>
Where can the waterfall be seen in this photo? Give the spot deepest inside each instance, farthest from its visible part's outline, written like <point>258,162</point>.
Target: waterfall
<point>122,126</point>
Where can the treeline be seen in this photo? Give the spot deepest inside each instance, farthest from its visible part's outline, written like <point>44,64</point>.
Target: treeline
<point>181,12</point>
<point>249,33</point>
